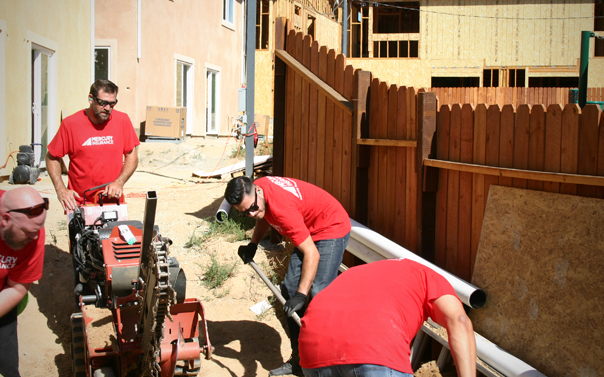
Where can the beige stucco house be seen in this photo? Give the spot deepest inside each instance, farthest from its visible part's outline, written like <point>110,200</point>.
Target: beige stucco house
<point>173,53</point>
<point>45,70</point>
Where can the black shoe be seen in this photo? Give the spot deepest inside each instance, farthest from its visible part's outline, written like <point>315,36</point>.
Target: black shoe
<point>287,369</point>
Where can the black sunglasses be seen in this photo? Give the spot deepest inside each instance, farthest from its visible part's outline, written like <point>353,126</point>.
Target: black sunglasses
<point>254,207</point>
<point>34,210</point>
<point>104,103</point>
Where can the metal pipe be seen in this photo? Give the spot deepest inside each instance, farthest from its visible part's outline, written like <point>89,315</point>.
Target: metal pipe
<point>470,295</point>
<point>583,66</point>
<point>345,27</point>
<point>274,289</point>
<point>148,225</point>
<point>250,46</point>
<point>222,214</point>
<point>502,361</point>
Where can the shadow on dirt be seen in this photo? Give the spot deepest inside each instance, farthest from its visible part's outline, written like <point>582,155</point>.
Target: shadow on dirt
<point>54,294</point>
<point>207,211</point>
<point>258,342</point>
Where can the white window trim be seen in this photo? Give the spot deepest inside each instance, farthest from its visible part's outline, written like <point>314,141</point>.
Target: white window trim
<point>190,89</point>
<point>218,70</point>
<point>226,23</point>
<point>111,44</point>
<point>3,88</point>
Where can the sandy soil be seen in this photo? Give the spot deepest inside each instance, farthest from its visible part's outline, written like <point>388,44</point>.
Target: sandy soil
<point>245,344</point>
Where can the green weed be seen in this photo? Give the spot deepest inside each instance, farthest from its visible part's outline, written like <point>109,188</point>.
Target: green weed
<point>216,273</point>
<point>230,229</point>
<point>62,225</point>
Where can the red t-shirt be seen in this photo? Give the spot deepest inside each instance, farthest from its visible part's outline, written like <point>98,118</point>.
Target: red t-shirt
<point>370,314</point>
<point>297,209</point>
<point>96,151</point>
<point>25,265</point>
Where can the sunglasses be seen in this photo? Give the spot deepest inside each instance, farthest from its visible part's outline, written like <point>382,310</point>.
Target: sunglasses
<point>34,210</point>
<point>254,207</point>
<point>104,103</point>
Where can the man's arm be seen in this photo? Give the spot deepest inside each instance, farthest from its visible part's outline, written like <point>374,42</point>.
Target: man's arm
<point>65,196</point>
<point>449,313</point>
<point>309,265</point>
<point>11,295</point>
<point>260,230</point>
<point>116,188</point>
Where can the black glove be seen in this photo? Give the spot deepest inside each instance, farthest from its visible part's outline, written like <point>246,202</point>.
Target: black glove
<point>247,252</point>
<point>295,303</point>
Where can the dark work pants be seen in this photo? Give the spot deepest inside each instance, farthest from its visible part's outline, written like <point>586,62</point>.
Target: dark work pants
<point>9,348</point>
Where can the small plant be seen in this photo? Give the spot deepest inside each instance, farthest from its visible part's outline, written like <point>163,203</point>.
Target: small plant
<point>216,273</point>
<point>193,241</point>
<point>54,238</point>
<point>230,229</point>
<point>62,225</point>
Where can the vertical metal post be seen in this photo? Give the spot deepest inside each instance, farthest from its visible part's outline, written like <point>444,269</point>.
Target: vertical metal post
<point>345,27</point>
<point>583,66</point>
<point>251,71</point>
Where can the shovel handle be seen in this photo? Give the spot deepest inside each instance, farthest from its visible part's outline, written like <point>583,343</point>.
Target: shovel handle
<point>274,289</point>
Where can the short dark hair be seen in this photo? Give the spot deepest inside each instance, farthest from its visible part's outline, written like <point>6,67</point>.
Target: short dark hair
<point>104,85</point>
<point>236,189</point>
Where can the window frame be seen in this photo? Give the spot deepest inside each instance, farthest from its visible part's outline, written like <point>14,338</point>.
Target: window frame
<point>228,14</point>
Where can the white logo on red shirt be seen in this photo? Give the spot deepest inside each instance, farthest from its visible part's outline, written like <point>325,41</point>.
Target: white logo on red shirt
<point>6,262</point>
<point>98,140</point>
<point>287,185</point>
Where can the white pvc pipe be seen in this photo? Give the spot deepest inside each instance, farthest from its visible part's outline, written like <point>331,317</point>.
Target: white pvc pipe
<point>470,295</point>
<point>503,362</point>
<point>223,212</point>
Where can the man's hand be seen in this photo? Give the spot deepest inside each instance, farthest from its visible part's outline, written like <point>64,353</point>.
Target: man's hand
<point>294,304</point>
<point>247,252</point>
<point>114,190</point>
<point>67,198</point>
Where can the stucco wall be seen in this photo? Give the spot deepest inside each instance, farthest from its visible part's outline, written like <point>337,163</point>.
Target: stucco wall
<point>190,31</point>
<point>61,26</point>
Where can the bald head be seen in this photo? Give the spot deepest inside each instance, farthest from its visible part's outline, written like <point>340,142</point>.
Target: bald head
<point>18,229</point>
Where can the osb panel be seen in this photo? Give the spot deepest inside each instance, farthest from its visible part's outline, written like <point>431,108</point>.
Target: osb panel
<point>263,103</point>
<point>411,72</point>
<point>541,262</point>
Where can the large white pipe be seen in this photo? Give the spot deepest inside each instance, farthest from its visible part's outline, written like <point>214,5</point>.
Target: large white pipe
<point>470,295</point>
<point>503,362</point>
<point>222,214</point>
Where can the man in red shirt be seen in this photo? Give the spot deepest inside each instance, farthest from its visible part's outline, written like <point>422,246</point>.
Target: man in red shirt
<point>318,226</point>
<point>101,145</point>
<point>364,322</point>
<point>22,216</point>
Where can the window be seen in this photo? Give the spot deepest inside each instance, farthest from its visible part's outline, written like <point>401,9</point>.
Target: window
<point>553,82</point>
<point>212,101</point>
<point>396,49</point>
<point>228,11</point>
<point>184,88</point>
<point>182,70</point>
<point>392,18</point>
<point>455,82</point>
<point>262,24</point>
<point>490,78</point>
<point>40,61</point>
<point>517,78</point>
<point>101,63</point>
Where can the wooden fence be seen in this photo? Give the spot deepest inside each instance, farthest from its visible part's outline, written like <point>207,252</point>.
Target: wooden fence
<point>374,147</point>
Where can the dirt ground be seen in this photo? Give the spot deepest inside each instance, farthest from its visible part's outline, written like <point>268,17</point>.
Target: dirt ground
<point>245,344</point>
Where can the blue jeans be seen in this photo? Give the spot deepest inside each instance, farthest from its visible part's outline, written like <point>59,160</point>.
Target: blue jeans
<point>331,252</point>
<point>9,348</point>
<point>354,370</point>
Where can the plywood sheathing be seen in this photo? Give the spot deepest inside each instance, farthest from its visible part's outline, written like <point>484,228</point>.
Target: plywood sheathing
<point>541,261</point>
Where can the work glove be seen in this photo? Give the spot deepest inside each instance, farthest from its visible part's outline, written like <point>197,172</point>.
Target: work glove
<point>294,304</point>
<point>246,253</point>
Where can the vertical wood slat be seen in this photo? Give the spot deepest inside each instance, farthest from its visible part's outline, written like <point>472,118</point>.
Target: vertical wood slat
<point>442,153</point>
<point>521,142</point>
<point>506,142</point>
<point>382,158</point>
<point>390,181</point>
<point>401,160</point>
<point>372,202</point>
<point>464,255</point>
<point>451,248</point>
<point>313,99</point>
<point>569,149</point>
<point>536,144</point>
<point>290,78</point>
<point>329,122</point>
<point>304,117</point>
<point>553,134</point>
<point>321,119</point>
<point>492,145</point>
<point>600,172</point>
<point>411,176</point>
<point>588,146</point>
<point>347,132</point>
<point>297,127</point>
<point>337,132</point>
<point>478,157</point>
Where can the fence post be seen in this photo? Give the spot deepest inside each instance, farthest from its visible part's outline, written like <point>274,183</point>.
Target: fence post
<point>427,178</point>
<point>279,100</point>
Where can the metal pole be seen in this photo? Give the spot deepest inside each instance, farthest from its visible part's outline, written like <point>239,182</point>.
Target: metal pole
<point>345,27</point>
<point>583,66</point>
<point>273,289</point>
<point>251,71</point>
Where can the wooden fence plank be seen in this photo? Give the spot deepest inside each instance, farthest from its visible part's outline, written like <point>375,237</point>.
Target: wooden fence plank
<point>304,118</point>
<point>329,124</point>
<point>347,163</point>
<point>588,146</point>
<point>338,128</point>
<point>321,120</point>
<point>373,176</point>
<point>411,178</point>
<point>600,191</point>
<point>382,131</point>
<point>313,98</point>
<point>290,78</point>
<point>390,182</point>
<point>478,156</point>
<point>553,133</point>
<point>506,141</point>
<point>401,160</point>
<point>492,145</point>
<point>299,81</point>
<point>569,151</point>
<point>442,153</point>
<point>537,144</point>
<point>452,246</point>
<point>521,142</point>
<point>464,255</point>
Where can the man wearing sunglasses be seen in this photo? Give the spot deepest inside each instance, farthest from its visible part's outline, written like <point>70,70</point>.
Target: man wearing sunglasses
<point>101,144</point>
<point>22,216</point>
<point>319,228</point>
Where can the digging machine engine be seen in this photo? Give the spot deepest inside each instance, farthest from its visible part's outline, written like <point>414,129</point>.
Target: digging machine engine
<point>124,270</point>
